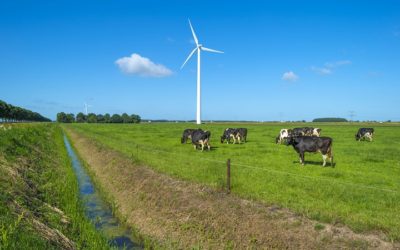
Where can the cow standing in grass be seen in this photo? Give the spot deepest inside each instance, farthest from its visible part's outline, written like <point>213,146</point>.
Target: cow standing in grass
<point>201,138</point>
<point>283,134</point>
<point>241,134</point>
<point>237,134</point>
<point>187,134</point>
<point>363,133</point>
<point>312,144</point>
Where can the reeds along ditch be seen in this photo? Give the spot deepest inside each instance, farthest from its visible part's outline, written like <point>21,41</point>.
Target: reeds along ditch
<point>39,198</point>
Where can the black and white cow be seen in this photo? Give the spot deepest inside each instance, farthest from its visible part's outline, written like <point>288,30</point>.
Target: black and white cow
<point>239,134</point>
<point>312,144</point>
<point>283,134</point>
<point>229,133</point>
<point>316,132</point>
<point>201,138</point>
<point>187,134</point>
<point>364,133</point>
<point>299,131</point>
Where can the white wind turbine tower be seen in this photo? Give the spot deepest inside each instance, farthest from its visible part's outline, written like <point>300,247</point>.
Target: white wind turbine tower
<point>86,107</point>
<point>199,47</point>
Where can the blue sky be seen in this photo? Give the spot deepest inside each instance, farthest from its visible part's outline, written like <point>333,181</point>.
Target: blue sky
<point>283,60</point>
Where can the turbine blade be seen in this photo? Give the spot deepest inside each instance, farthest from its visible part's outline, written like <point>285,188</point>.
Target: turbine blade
<point>211,50</point>
<point>187,59</point>
<point>194,35</point>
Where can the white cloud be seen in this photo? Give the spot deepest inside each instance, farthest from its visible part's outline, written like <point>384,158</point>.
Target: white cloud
<point>290,76</point>
<point>322,71</point>
<point>142,66</point>
<point>337,63</point>
<point>329,66</point>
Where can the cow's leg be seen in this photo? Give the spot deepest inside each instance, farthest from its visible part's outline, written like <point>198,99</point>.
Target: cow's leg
<point>302,158</point>
<point>208,146</point>
<point>238,139</point>
<point>202,145</point>
<point>195,146</point>
<point>324,159</point>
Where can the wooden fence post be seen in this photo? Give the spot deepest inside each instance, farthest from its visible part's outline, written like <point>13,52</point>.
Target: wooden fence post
<point>228,176</point>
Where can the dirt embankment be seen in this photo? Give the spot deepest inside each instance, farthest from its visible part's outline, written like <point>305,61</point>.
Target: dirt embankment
<point>184,215</point>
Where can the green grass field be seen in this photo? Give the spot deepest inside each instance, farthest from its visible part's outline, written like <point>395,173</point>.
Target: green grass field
<point>362,191</point>
<point>39,196</point>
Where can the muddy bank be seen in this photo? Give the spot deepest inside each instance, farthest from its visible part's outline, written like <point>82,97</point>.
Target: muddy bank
<point>179,214</point>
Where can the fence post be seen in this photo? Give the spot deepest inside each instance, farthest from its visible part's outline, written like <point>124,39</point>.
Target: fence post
<point>228,176</point>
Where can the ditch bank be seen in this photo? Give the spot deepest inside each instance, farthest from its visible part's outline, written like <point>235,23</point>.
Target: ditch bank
<point>171,213</point>
<point>97,210</point>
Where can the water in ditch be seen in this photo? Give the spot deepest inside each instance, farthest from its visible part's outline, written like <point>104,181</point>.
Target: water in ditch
<point>97,210</point>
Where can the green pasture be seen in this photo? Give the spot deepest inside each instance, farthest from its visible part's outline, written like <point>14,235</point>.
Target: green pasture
<point>362,191</point>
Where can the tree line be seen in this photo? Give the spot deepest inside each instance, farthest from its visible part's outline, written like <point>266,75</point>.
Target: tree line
<point>97,118</point>
<point>11,113</point>
<point>330,119</point>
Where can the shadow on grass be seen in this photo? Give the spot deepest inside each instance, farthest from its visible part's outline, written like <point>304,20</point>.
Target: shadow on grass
<point>316,163</point>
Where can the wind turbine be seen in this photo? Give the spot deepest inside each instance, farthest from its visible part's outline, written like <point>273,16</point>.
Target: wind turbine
<point>86,107</point>
<point>199,47</point>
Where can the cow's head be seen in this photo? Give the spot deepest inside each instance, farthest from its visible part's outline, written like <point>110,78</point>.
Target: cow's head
<point>290,140</point>
<point>358,136</point>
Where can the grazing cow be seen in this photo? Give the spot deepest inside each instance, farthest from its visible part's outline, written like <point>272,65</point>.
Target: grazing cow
<point>364,133</point>
<point>235,134</point>
<point>201,138</point>
<point>317,132</point>
<point>187,134</point>
<point>299,131</point>
<point>312,144</point>
<point>241,134</point>
<point>227,135</point>
<point>283,134</point>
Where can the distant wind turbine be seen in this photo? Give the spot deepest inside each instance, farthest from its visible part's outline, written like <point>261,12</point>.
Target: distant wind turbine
<point>199,47</point>
<point>86,107</point>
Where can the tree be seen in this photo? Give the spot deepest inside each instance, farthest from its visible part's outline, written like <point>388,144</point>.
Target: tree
<point>61,117</point>
<point>70,118</point>
<point>92,118</point>
<point>100,118</point>
<point>116,118</point>
<point>80,117</point>
<point>135,118</point>
<point>330,119</point>
<point>107,118</point>
<point>126,118</point>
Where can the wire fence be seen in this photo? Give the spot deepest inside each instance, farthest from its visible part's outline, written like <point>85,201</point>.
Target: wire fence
<point>151,149</point>
<point>228,163</point>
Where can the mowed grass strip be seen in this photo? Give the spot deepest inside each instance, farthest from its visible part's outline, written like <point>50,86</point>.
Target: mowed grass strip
<point>362,191</point>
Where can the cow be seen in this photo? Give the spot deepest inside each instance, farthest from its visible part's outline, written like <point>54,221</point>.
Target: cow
<point>283,134</point>
<point>235,134</point>
<point>299,132</point>
<point>316,132</point>
<point>187,134</point>
<point>364,133</point>
<point>227,135</point>
<point>201,138</point>
<point>312,144</point>
<point>241,134</point>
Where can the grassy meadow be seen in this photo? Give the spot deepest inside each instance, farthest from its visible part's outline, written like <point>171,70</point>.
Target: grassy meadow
<point>39,196</point>
<point>362,191</point>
